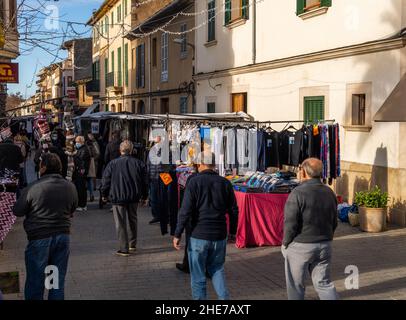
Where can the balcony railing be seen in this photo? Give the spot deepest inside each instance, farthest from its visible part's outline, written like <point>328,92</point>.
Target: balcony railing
<point>114,79</point>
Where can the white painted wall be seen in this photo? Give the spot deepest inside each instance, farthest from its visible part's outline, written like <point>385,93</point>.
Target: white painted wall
<point>274,95</point>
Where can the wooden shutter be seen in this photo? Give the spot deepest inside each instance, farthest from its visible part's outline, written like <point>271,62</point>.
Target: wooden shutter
<point>138,64</point>
<point>239,102</point>
<point>326,3</point>
<point>244,9</point>
<point>142,57</point>
<point>300,5</point>
<point>313,109</point>
<point>227,13</point>
<point>119,68</point>
<point>126,64</point>
<point>106,69</point>
<point>212,21</point>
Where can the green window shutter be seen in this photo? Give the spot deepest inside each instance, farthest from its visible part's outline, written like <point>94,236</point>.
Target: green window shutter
<point>112,19</point>
<point>244,9</point>
<point>112,61</point>
<point>326,3</point>
<point>313,109</point>
<point>126,64</point>
<point>227,13</point>
<point>125,7</point>
<point>106,69</point>
<point>300,5</point>
<point>119,68</point>
<point>212,21</point>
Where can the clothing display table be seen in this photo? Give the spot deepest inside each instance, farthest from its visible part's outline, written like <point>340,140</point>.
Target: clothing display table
<point>260,221</point>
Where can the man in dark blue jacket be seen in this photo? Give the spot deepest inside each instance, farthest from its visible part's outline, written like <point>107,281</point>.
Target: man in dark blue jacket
<point>125,183</point>
<point>207,199</point>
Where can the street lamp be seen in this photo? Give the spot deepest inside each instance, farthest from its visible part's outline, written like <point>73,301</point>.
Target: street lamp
<point>180,42</point>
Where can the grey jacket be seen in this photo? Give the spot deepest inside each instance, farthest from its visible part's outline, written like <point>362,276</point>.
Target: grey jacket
<point>47,205</point>
<point>310,214</point>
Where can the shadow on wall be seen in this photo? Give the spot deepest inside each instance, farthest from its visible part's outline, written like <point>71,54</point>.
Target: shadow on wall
<point>380,174</point>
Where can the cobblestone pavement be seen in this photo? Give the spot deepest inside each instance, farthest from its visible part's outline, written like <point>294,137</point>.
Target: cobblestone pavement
<point>255,273</point>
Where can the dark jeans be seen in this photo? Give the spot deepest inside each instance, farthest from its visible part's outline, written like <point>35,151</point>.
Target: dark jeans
<point>122,214</point>
<point>153,198</point>
<point>81,188</point>
<point>39,254</point>
<point>166,204</point>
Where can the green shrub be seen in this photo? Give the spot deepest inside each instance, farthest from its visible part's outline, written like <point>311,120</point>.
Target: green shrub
<point>374,198</point>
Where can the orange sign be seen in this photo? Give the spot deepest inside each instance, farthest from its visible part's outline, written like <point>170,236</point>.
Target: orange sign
<point>8,72</point>
<point>166,178</point>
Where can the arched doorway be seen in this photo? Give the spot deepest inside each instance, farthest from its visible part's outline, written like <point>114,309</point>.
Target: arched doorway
<point>141,107</point>
<point>113,108</point>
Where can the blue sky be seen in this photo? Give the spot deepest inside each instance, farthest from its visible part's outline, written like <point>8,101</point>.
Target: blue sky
<point>69,10</point>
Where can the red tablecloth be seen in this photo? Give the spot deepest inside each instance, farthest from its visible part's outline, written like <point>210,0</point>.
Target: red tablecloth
<point>260,221</point>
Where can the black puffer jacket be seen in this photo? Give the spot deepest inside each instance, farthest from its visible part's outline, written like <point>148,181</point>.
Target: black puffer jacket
<point>47,205</point>
<point>125,181</point>
<point>82,163</point>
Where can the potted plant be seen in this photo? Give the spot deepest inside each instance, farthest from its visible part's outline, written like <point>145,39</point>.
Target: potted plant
<point>372,209</point>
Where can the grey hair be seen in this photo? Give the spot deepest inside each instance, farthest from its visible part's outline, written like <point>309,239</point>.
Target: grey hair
<point>313,168</point>
<point>126,147</point>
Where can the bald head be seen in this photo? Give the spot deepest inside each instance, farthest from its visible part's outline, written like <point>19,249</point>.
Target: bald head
<point>313,168</point>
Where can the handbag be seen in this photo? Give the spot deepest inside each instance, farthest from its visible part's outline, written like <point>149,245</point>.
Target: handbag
<point>7,218</point>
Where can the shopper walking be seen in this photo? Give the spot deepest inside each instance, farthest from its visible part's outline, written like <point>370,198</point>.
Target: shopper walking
<point>94,159</point>
<point>10,156</point>
<point>207,199</point>
<point>81,170</point>
<point>310,222</point>
<point>113,148</point>
<point>47,205</point>
<point>125,183</point>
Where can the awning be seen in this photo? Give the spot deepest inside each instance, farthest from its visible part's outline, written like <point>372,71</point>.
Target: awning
<point>394,108</point>
<point>160,18</point>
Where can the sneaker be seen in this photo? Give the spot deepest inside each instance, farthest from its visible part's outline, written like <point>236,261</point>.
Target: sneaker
<point>154,221</point>
<point>133,249</point>
<point>122,253</point>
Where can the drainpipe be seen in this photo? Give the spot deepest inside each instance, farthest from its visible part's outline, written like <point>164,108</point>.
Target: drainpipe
<point>149,74</point>
<point>254,31</point>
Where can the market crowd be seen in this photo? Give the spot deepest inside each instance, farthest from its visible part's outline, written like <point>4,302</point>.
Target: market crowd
<point>68,169</point>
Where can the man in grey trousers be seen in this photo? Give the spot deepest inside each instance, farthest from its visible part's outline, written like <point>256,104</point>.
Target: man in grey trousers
<point>310,223</point>
<point>125,183</point>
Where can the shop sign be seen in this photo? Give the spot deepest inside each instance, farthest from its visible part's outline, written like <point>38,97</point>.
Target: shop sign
<point>8,72</point>
<point>71,92</point>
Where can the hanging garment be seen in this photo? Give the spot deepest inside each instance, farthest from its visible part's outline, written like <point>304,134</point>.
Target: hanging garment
<point>272,149</point>
<point>289,148</point>
<point>7,218</point>
<point>217,149</point>
<point>261,150</point>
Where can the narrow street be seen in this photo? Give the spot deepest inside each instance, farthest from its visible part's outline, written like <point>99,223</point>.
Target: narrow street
<point>95,272</point>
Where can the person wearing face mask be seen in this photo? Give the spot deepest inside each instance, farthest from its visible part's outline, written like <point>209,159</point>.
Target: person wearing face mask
<point>47,205</point>
<point>82,165</point>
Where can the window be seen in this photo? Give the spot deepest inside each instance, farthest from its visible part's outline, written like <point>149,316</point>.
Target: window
<point>106,69</point>
<point>211,107</point>
<point>133,108</point>
<point>164,105</point>
<point>239,102</point>
<point>183,46</point>
<point>141,107</point>
<point>119,13</point>
<point>183,105</point>
<point>358,109</point>
<point>125,8</point>
<point>235,10</point>
<point>313,109</point>
<point>141,66</point>
<point>106,25</point>
<point>164,57</point>
<point>126,64</point>
<point>119,68</point>
<point>112,61</point>
<point>309,5</point>
<point>133,55</point>
<point>154,52</point>
<point>96,70</point>
<point>120,107</point>
<point>211,24</point>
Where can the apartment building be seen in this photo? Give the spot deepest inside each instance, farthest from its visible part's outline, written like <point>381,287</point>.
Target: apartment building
<point>9,45</point>
<point>162,62</point>
<point>313,60</point>
<point>77,71</point>
<point>50,89</point>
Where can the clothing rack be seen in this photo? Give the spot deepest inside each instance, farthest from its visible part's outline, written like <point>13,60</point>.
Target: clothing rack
<point>295,121</point>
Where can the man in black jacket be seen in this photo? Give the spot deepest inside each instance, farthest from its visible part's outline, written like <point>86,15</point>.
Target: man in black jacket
<point>113,148</point>
<point>310,222</point>
<point>82,165</point>
<point>10,156</point>
<point>47,205</point>
<point>207,199</point>
<point>125,183</point>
